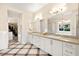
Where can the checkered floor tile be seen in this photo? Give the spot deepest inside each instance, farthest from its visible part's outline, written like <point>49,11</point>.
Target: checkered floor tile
<point>18,49</point>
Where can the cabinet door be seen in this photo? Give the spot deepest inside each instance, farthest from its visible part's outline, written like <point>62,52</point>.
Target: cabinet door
<point>42,45</point>
<point>36,41</point>
<point>30,38</point>
<point>57,48</point>
<point>46,44</point>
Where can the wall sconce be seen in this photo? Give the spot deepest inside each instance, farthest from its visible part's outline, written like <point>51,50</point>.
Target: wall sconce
<point>30,27</point>
<point>38,17</point>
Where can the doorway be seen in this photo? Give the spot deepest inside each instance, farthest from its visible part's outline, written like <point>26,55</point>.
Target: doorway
<point>13,32</point>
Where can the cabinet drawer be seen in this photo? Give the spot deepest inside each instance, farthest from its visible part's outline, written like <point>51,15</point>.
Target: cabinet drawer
<point>57,48</point>
<point>69,45</point>
<point>68,52</point>
<point>69,49</point>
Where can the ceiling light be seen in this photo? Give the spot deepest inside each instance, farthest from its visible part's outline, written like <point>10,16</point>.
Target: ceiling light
<point>58,9</point>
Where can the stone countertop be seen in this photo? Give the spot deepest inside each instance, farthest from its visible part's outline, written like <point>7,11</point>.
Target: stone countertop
<point>58,37</point>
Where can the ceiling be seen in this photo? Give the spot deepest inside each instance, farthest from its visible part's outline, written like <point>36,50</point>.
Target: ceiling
<point>33,7</point>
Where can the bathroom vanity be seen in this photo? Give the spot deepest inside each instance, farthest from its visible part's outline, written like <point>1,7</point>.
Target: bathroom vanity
<point>55,45</point>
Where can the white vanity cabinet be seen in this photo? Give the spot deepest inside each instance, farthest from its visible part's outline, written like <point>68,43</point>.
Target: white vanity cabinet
<point>46,44</point>
<point>37,41</point>
<point>30,39</point>
<point>34,40</point>
<point>70,49</point>
<point>42,43</point>
<point>56,48</point>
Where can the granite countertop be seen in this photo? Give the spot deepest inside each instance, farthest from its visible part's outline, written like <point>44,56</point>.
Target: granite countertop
<point>73,40</point>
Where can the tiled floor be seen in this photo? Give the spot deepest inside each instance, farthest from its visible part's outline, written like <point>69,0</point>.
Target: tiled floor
<point>17,49</point>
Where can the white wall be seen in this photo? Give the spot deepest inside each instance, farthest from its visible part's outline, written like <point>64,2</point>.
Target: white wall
<point>12,20</point>
<point>3,40</point>
<point>26,21</point>
<point>3,28</point>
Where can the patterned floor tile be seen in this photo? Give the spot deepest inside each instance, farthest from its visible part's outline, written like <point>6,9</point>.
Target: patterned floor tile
<point>13,51</point>
<point>23,51</point>
<point>8,55</point>
<point>4,51</point>
<point>19,46</point>
<point>12,46</point>
<point>18,49</point>
<point>34,47</point>
<point>0,54</point>
<point>42,52</point>
<point>27,46</point>
<point>33,51</point>
<point>20,55</point>
<point>31,55</point>
<point>18,43</point>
